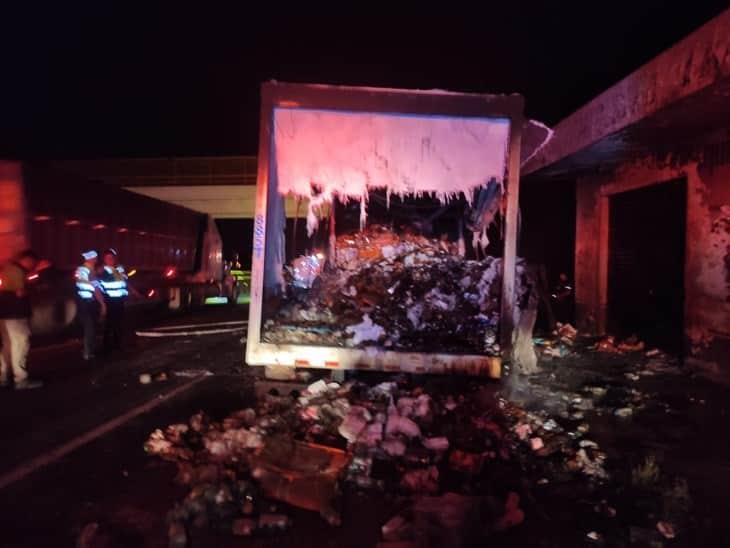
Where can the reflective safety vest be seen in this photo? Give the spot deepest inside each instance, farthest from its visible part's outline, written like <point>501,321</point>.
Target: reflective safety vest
<point>241,276</point>
<point>114,282</point>
<point>86,283</point>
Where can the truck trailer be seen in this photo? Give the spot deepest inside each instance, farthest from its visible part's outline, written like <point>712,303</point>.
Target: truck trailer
<point>408,257</point>
<point>173,255</point>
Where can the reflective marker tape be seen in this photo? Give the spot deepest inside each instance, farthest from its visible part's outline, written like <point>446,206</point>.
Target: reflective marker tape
<point>117,284</point>
<point>116,293</point>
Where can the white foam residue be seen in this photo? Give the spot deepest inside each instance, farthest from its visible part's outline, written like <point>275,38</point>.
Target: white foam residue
<point>365,331</point>
<point>344,154</point>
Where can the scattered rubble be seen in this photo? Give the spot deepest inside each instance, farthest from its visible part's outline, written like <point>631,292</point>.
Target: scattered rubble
<point>420,442</point>
<point>400,292</point>
<point>302,449</point>
<point>560,344</point>
<point>610,345</point>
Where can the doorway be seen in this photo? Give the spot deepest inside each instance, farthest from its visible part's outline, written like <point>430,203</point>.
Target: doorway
<point>646,264</point>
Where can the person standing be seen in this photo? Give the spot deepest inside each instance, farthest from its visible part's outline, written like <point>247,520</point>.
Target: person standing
<point>113,281</point>
<point>90,301</point>
<point>15,312</point>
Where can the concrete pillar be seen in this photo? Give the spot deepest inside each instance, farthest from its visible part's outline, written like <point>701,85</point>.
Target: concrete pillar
<point>587,255</point>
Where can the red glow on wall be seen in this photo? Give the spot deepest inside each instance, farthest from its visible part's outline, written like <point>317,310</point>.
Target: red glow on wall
<point>72,222</point>
<point>42,218</point>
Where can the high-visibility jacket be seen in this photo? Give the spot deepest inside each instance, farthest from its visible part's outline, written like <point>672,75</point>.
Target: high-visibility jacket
<point>114,282</point>
<point>86,283</point>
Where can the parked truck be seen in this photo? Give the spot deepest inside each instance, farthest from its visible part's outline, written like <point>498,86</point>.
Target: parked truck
<point>172,254</point>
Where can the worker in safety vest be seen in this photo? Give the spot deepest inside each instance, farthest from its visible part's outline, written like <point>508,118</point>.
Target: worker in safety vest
<point>90,301</point>
<point>15,312</point>
<point>113,280</point>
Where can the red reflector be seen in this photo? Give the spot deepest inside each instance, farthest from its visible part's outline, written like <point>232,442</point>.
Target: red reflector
<point>331,364</point>
<point>301,363</point>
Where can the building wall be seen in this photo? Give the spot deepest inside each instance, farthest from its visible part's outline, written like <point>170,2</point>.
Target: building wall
<point>707,261</point>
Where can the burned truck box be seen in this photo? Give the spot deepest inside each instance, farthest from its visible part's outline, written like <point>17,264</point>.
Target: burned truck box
<point>399,265</point>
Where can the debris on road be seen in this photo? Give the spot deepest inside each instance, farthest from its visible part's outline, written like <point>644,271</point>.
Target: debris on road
<point>421,442</point>
<point>416,439</point>
<point>560,344</point>
<point>148,378</point>
<point>630,345</point>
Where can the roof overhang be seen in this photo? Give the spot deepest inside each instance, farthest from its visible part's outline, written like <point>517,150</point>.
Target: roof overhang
<point>668,103</point>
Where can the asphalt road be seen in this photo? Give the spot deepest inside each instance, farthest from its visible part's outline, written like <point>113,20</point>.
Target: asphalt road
<point>65,444</point>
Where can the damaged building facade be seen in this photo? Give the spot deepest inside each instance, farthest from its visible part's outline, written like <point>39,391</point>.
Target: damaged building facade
<point>650,159</point>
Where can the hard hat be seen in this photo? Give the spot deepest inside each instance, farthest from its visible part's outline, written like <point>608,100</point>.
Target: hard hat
<point>111,251</point>
<point>88,255</point>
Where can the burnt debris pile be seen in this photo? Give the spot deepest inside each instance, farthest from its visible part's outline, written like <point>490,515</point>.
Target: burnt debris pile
<point>394,291</point>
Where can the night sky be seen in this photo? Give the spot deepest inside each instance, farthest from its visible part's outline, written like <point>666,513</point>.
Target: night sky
<point>109,80</point>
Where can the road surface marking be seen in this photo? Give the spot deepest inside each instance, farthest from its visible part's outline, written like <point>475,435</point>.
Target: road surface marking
<point>188,326</point>
<point>189,333</point>
<point>20,472</point>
